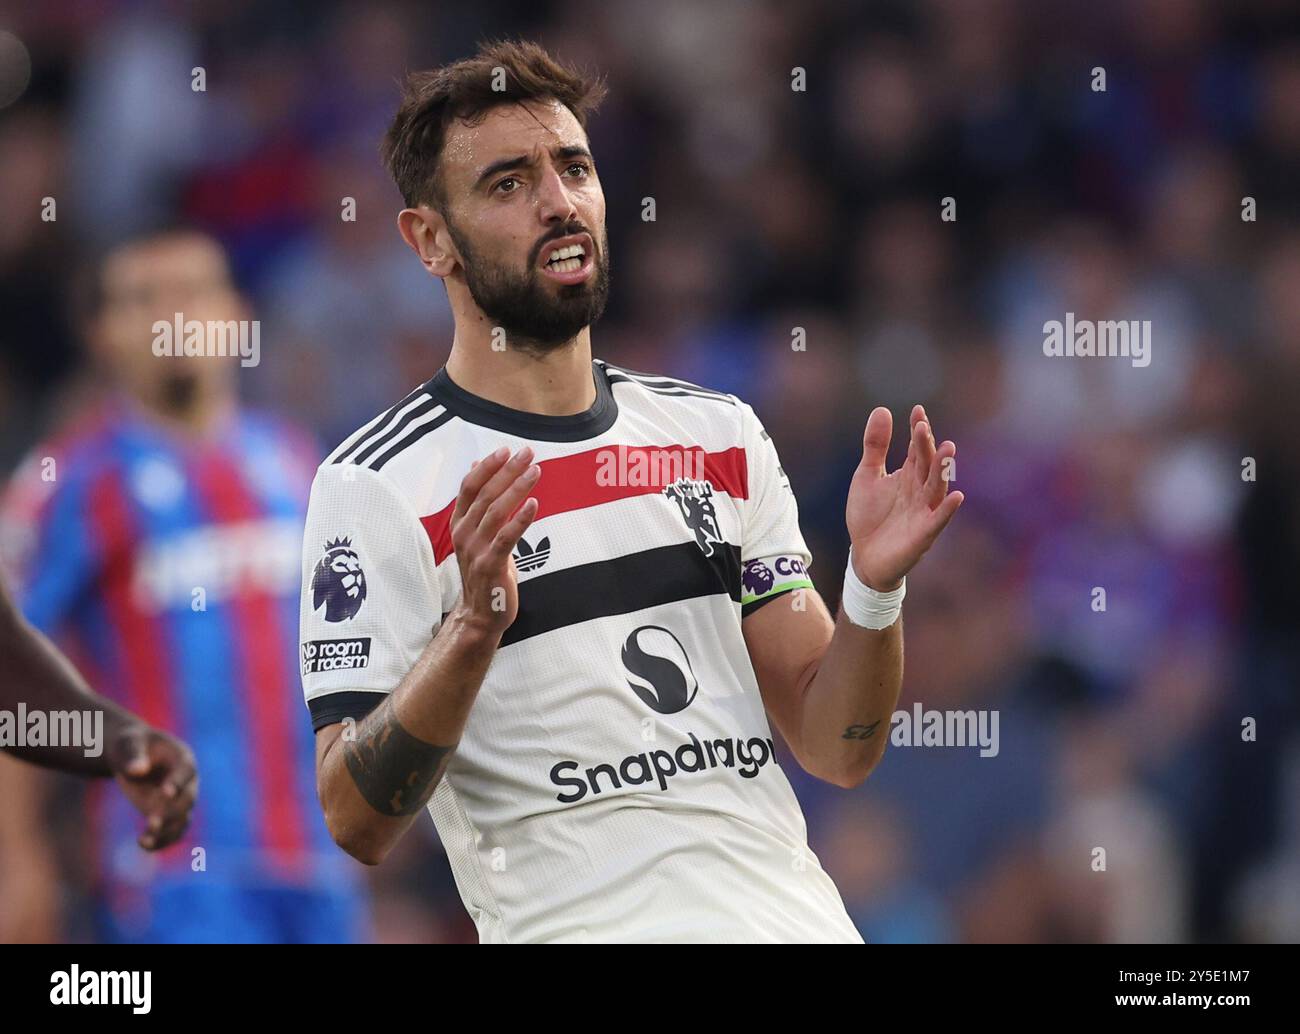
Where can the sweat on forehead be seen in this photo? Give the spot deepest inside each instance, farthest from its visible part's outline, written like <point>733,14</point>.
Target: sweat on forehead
<point>532,129</point>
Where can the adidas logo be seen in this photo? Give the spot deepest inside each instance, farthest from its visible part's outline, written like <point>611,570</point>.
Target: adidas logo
<point>529,558</point>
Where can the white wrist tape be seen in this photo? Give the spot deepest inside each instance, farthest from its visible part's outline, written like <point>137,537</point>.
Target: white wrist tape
<point>866,607</point>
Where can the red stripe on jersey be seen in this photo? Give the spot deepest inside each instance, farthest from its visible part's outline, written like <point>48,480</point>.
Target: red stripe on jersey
<point>598,476</point>
<point>146,675</point>
<point>260,639</point>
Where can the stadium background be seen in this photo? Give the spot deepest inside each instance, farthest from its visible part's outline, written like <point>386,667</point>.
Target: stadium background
<point>821,209</point>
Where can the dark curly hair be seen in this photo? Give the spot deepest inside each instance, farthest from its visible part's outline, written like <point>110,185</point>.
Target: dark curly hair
<point>467,90</point>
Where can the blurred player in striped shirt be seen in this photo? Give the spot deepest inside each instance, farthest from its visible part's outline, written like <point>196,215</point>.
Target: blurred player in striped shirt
<point>160,537</point>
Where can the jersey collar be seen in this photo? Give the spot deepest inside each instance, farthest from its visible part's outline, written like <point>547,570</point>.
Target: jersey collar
<point>573,428</point>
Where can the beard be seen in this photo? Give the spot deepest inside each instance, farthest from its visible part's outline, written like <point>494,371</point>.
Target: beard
<point>534,318</point>
<point>177,392</point>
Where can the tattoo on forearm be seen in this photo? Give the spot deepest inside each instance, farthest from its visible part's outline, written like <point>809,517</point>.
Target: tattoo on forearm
<point>860,732</point>
<point>393,770</point>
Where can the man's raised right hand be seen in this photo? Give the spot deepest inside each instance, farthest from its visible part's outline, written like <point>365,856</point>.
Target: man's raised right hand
<point>485,525</point>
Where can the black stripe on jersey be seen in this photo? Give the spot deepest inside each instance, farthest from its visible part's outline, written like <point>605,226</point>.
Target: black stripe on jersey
<point>414,436</point>
<point>332,708</point>
<point>652,577</point>
<point>657,382</point>
<point>660,380</point>
<point>615,378</point>
<point>411,415</point>
<point>372,428</point>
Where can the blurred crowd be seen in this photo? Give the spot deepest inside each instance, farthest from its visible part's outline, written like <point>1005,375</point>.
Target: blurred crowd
<point>1163,728</point>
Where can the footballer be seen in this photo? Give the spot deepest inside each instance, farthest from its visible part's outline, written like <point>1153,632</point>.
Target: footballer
<point>561,604</point>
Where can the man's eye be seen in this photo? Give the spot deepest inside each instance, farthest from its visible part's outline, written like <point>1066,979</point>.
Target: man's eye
<point>581,167</point>
<point>509,179</point>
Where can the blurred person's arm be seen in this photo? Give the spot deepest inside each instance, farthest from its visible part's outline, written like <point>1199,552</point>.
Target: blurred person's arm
<point>831,686</point>
<point>156,771</point>
<point>53,549</point>
<point>374,780</point>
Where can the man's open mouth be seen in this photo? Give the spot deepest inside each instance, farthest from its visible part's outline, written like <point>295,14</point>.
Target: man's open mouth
<point>568,260</point>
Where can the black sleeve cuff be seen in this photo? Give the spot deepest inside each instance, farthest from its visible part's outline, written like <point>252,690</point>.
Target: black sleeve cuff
<point>748,608</point>
<point>332,708</point>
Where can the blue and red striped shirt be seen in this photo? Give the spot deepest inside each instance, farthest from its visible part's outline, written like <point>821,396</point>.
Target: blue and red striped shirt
<point>170,567</point>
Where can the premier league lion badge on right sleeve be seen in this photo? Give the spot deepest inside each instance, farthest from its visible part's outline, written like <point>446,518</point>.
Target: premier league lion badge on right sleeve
<point>338,583</point>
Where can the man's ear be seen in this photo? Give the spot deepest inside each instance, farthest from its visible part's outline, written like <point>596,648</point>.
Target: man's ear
<point>425,231</point>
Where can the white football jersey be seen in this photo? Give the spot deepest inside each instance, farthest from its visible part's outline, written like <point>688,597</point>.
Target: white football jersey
<point>617,779</point>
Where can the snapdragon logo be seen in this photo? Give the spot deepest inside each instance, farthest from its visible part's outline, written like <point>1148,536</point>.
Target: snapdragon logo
<point>745,757</point>
<point>1130,339</point>
<point>221,339</point>
<point>659,672</point>
<point>24,729</point>
<point>96,987</point>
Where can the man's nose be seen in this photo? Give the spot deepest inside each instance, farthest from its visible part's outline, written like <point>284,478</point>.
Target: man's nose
<point>555,202</point>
